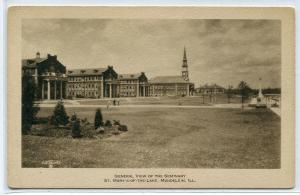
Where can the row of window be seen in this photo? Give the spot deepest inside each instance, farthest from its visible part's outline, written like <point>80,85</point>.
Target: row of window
<point>129,81</point>
<point>128,87</point>
<point>76,93</point>
<point>128,94</point>
<point>86,78</point>
<point>170,87</point>
<point>79,86</point>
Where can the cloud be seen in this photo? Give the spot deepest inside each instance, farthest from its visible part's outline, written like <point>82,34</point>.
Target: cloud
<point>219,51</point>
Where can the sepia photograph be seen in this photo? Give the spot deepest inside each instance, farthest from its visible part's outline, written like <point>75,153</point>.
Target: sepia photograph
<point>124,93</point>
<point>156,99</point>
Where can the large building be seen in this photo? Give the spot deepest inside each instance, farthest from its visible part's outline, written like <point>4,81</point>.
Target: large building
<point>173,85</point>
<point>133,85</point>
<point>92,83</point>
<point>49,75</point>
<point>54,82</point>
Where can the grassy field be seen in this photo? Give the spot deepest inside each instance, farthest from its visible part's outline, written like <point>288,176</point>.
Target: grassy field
<point>167,138</point>
<point>175,100</point>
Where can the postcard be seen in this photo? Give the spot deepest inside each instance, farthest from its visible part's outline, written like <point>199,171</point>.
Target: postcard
<point>151,97</point>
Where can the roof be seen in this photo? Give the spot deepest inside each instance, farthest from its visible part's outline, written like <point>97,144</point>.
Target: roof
<point>86,71</point>
<point>129,76</point>
<point>31,63</point>
<point>211,86</point>
<point>168,79</point>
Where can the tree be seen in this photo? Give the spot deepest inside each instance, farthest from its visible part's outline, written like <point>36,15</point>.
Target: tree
<point>59,116</point>
<point>76,130</point>
<point>29,109</point>
<point>244,90</point>
<point>229,93</point>
<point>98,119</point>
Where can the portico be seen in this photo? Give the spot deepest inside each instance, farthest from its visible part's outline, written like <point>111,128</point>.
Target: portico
<point>53,86</point>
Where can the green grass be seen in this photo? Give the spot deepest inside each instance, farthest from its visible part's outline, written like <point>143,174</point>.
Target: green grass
<point>167,138</point>
<point>175,100</point>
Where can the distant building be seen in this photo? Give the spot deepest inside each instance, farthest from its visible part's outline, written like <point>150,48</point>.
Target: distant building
<point>210,89</point>
<point>172,85</point>
<point>133,85</point>
<point>169,86</point>
<point>49,74</point>
<point>92,83</point>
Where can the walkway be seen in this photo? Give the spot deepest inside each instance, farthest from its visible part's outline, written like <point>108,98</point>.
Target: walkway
<point>236,106</point>
<point>276,110</point>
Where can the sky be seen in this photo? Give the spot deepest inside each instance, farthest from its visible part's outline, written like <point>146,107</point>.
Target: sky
<point>224,52</point>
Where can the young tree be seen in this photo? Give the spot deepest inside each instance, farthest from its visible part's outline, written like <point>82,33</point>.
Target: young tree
<point>98,119</point>
<point>244,90</point>
<point>29,109</point>
<point>229,93</point>
<point>76,130</point>
<point>59,116</point>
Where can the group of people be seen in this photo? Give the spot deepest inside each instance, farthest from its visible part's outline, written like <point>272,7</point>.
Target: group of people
<point>114,103</point>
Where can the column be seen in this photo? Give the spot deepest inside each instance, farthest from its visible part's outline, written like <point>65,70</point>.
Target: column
<point>152,90</point>
<point>55,89</point>
<point>137,89</point>
<point>144,88</point>
<point>188,90</point>
<point>48,90</point>
<point>101,89</point>
<point>61,89</point>
<point>176,89</point>
<point>110,90</point>
<point>43,90</point>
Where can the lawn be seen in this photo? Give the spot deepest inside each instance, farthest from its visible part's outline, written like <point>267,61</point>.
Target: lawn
<point>167,138</point>
<point>194,100</point>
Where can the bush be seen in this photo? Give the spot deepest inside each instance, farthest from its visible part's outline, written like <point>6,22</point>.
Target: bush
<point>116,122</point>
<point>29,109</point>
<point>73,117</point>
<point>85,121</point>
<point>59,116</point>
<point>98,119</point>
<point>122,128</point>
<point>76,131</point>
<point>108,123</point>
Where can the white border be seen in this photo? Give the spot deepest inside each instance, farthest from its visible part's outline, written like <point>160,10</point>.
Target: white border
<point>4,4</point>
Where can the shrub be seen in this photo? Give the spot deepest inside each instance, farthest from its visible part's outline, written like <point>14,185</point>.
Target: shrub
<point>98,119</point>
<point>108,123</point>
<point>73,117</point>
<point>85,121</point>
<point>122,128</point>
<point>59,116</point>
<point>76,131</point>
<point>29,109</point>
<point>116,122</point>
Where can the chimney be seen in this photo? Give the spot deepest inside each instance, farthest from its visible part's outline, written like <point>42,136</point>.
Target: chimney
<point>38,55</point>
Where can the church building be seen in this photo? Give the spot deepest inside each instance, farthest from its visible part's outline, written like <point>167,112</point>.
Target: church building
<point>172,85</point>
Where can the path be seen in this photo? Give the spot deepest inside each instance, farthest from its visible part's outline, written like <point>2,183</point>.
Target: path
<point>276,110</point>
<point>236,106</point>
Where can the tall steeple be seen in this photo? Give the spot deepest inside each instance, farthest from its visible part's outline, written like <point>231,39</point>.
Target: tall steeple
<point>185,72</point>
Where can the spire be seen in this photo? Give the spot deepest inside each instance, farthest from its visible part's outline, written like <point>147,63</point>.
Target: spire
<point>184,64</point>
<point>184,72</point>
<point>184,54</point>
